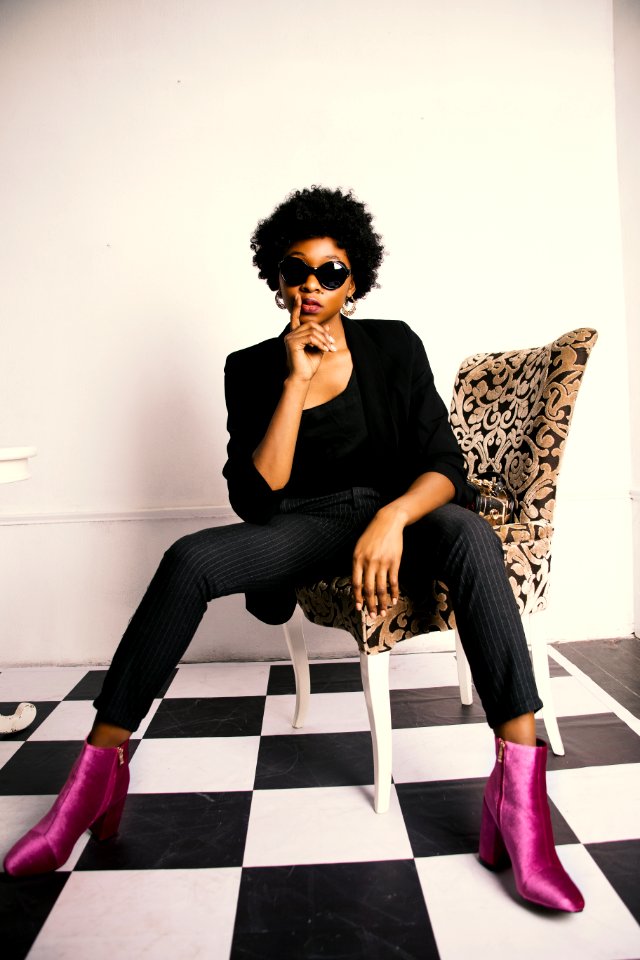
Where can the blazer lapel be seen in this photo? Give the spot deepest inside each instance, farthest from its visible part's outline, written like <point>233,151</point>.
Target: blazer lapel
<point>370,372</point>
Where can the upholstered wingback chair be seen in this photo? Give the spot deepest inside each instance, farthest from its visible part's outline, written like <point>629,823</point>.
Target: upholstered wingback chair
<point>510,413</point>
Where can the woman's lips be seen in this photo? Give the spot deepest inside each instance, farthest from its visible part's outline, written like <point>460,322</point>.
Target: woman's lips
<point>310,306</point>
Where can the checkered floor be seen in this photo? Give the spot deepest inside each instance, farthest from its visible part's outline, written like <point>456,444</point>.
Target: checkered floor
<point>243,838</point>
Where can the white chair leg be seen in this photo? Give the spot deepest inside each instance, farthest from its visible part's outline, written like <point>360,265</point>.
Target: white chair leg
<point>464,673</point>
<point>375,680</point>
<point>537,640</point>
<point>294,635</point>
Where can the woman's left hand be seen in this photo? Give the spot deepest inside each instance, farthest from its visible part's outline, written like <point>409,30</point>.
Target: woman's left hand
<point>376,562</point>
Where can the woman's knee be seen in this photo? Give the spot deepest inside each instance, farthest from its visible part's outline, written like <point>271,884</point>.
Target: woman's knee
<point>184,557</point>
<point>460,532</point>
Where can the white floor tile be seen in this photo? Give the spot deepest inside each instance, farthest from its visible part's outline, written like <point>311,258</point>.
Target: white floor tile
<point>39,683</point>
<point>327,713</point>
<point>220,680</point>
<point>600,804</point>
<point>477,913</point>
<point>150,914</point>
<point>71,720</point>
<point>423,670</point>
<point>19,813</point>
<point>323,825</point>
<point>195,764</point>
<point>443,753</point>
<point>572,699</point>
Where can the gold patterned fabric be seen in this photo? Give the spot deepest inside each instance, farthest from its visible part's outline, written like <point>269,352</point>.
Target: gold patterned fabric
<point>510,414</point>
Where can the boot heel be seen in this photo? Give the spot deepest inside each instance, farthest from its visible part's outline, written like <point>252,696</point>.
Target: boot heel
<point>492,852</point>
<point>107,825</point>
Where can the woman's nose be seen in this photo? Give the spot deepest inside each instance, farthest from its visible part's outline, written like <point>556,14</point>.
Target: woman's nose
<point>311,283</point>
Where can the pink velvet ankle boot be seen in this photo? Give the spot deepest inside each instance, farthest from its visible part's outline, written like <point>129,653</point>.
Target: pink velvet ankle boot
<point>93,797</point>
<point>516,827</point>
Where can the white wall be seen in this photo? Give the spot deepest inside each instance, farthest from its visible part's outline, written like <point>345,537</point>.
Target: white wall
<point>627,79</point>
<point>139,144</point>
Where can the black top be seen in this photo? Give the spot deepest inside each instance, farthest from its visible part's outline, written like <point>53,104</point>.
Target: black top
<point>407,422</point>
<point>331,449</point>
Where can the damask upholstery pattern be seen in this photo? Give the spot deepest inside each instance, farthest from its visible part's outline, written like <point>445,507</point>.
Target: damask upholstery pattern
<point>511,414</point>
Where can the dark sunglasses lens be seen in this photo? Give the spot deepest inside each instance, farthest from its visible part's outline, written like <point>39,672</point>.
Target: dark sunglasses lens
<point>332,274</point>
<point>294,271</point>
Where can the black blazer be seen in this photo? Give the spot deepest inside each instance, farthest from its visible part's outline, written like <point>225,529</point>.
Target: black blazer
<point>406,419</point>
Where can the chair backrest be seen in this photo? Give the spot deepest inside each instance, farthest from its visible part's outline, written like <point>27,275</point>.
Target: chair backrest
<point>511,414</point>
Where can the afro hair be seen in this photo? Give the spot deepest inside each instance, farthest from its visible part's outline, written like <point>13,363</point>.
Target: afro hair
<point>320,212</point>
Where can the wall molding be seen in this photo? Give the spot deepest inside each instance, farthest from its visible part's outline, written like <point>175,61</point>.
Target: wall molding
<point>221,514</point>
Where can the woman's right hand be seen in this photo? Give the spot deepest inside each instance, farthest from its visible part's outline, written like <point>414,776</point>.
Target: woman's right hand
<point>306,345</point>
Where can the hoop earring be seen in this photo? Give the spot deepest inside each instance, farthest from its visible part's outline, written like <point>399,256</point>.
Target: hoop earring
<point>280,301</point>
<point>349,310</point>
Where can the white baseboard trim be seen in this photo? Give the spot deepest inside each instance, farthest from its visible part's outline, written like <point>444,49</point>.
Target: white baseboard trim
<point>219,514</point>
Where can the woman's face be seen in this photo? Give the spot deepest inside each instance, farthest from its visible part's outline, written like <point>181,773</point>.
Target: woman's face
<point>318,303</point>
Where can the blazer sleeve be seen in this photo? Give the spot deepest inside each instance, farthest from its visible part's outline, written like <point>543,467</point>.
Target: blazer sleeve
<point>247,420</point>
<point>437,448</point>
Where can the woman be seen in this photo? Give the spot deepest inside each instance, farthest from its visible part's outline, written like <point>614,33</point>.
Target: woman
<point>340,456</point>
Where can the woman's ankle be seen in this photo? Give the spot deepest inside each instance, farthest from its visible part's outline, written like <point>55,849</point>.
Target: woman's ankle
<point>520,730</point>
<point>107,735</point>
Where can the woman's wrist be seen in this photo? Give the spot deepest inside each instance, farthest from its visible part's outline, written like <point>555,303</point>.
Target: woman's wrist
<point>396,513</point>
<point>295,382</point>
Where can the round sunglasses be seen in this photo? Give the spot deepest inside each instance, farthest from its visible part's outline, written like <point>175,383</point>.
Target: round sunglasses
<point>330,275</point>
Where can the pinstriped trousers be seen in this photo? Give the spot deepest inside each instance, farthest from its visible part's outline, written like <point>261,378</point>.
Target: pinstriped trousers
<point>306,539</point>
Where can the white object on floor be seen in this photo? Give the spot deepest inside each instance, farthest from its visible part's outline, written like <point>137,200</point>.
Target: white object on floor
<point>24,715</point>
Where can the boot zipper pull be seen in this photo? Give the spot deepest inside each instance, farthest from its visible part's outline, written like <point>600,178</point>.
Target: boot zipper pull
<point>500,750</point>
<point>120,756</point>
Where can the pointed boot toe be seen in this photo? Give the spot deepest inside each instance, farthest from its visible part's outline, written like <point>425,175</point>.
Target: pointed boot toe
<point>553,888</point>
<point>30,855</point>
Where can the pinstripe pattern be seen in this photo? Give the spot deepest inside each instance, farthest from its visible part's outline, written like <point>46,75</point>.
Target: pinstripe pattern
<point>461,549</point>
<point>307,538</point>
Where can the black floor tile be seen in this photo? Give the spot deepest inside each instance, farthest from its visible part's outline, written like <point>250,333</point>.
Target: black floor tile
<point>443,817</point>
<point>91,684</point>
<point>89,687</point>
<point>432,707</point>
<point>613,664</point>
<point>325,678</point>
<point>207,717</point>
<point>42,767</point>
<point>597,739</point>
<point>350,911</point>
<point>175,830</point>
<point>44,708</point>
<point>620,863</point>
<point>25,904</point>
<point>556,670</point>
<point>314,760</point>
